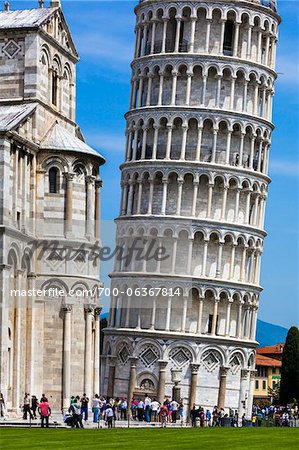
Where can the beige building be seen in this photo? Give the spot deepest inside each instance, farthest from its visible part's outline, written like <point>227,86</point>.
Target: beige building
<point>49,215</point>
<point>195,181</point>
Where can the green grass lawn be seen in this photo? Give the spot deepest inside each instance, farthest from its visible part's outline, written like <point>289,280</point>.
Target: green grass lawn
<point>142,439</point>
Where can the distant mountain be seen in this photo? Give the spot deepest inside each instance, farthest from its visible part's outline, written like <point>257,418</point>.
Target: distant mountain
<point>270,334</point>
<point>267,333</point>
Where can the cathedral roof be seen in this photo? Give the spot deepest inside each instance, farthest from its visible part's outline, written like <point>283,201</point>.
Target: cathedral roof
<point>25,18</point>
<point>12,115</point>
<point>60,139</point>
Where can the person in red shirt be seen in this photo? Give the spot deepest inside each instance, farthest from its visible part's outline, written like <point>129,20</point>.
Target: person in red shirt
<point>163,414</point>
<point>44,411</point>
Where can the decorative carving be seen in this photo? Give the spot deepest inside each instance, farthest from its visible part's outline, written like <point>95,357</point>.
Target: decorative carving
<point>11,49</point>
<point>123,355</point>
<point>180,356</point>
<point>149,356</point>
<point>211,360</point>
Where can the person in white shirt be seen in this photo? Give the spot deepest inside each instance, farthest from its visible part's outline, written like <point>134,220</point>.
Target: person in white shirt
<point>140,410</point>
<point>174,406</point>
<point>155,407</point>
<point>109,415</point>
<point>147,407</point>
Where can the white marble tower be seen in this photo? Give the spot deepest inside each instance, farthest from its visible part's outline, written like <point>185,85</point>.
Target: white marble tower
<point>195,180</point>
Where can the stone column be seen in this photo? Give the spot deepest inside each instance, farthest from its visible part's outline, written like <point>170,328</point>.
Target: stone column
<point>111,376</point>
<point>144,139</point>
<point>192,33</point>
<point>174,85</point>
<point>259,45</point>
<point>243,393</point>
<point>184,315</point>
<point>30,353</point>
<point>168,314</point>
<point>248,51</point>
<point>219,260</point>
<point>222,387</point>
<point>132,381</point>
<point>232,92</point>
<point>193,386</point>
<point>162,378</point>
<point>175,244</point>
<point>208,22</point>
<point>151,193</point>
<point>199,318</point>
<point>168,143</point>
<point>227,322</point>
<point>215,134</point>
<point>160,93</point>
<point>154,22</point>
<point>139,181</point>
<point>221,43</point>
<point>150,77</point>
<point>245,96</point>
<point>209,203</point>
<point>236,39</point>
<point>250,394</point>
<point>236,218</point>
<point>140,91</point>
<point>153,316</point>
<point>219,78</point>
<point>252,151</point>
<point>177,34</point>
<point>253,323</point>
<point>228,144</point>
<point>184,141</point>
<point>155,143</point>
<point>96,364</point>
<point>165,21</point>
<point>199,139</point>
<point>164,198</point>
<point>204,88</point>
<point>69,204</point>
<point>194,201</point>
<point>232,262</point>
<point>204,260</point>
<point>239,324</point>
<point>98,187</point>
<point>189,264</point>
<point>188,88</point>
<point>224,201</point>
<point>67,350</point>
<point>215,314</point>
<point>179,199</point>
<point>17,344</point>
<point>241,150</point>
<point>89,310</point>
<point>89,206</point>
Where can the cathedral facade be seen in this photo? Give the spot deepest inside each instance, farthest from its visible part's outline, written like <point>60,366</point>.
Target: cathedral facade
<point>49,216</point>
<point>194,184</point>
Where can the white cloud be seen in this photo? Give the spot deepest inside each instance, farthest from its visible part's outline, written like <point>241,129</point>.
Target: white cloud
<point>287,69</point>
<point>106,142</point>
<point>284,167</point>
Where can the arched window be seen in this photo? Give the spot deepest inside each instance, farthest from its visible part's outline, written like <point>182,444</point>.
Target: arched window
<point>228,38</point>
<point>53,180</point>
<point>54,88</point>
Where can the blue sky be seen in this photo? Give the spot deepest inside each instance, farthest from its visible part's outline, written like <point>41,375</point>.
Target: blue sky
<point>104,35</point>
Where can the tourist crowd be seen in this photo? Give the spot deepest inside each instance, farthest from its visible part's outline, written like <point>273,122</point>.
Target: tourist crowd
<point>149,410</point>
<point>278,416</point>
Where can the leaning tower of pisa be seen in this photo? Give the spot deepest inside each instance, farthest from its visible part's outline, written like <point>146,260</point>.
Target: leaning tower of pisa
<point>194,186</point>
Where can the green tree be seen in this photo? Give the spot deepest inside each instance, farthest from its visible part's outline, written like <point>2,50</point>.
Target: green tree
<point>289,384</point>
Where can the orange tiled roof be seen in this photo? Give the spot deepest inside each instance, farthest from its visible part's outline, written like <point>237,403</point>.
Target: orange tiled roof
<point>262,360</point>
<point>271,349</point>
